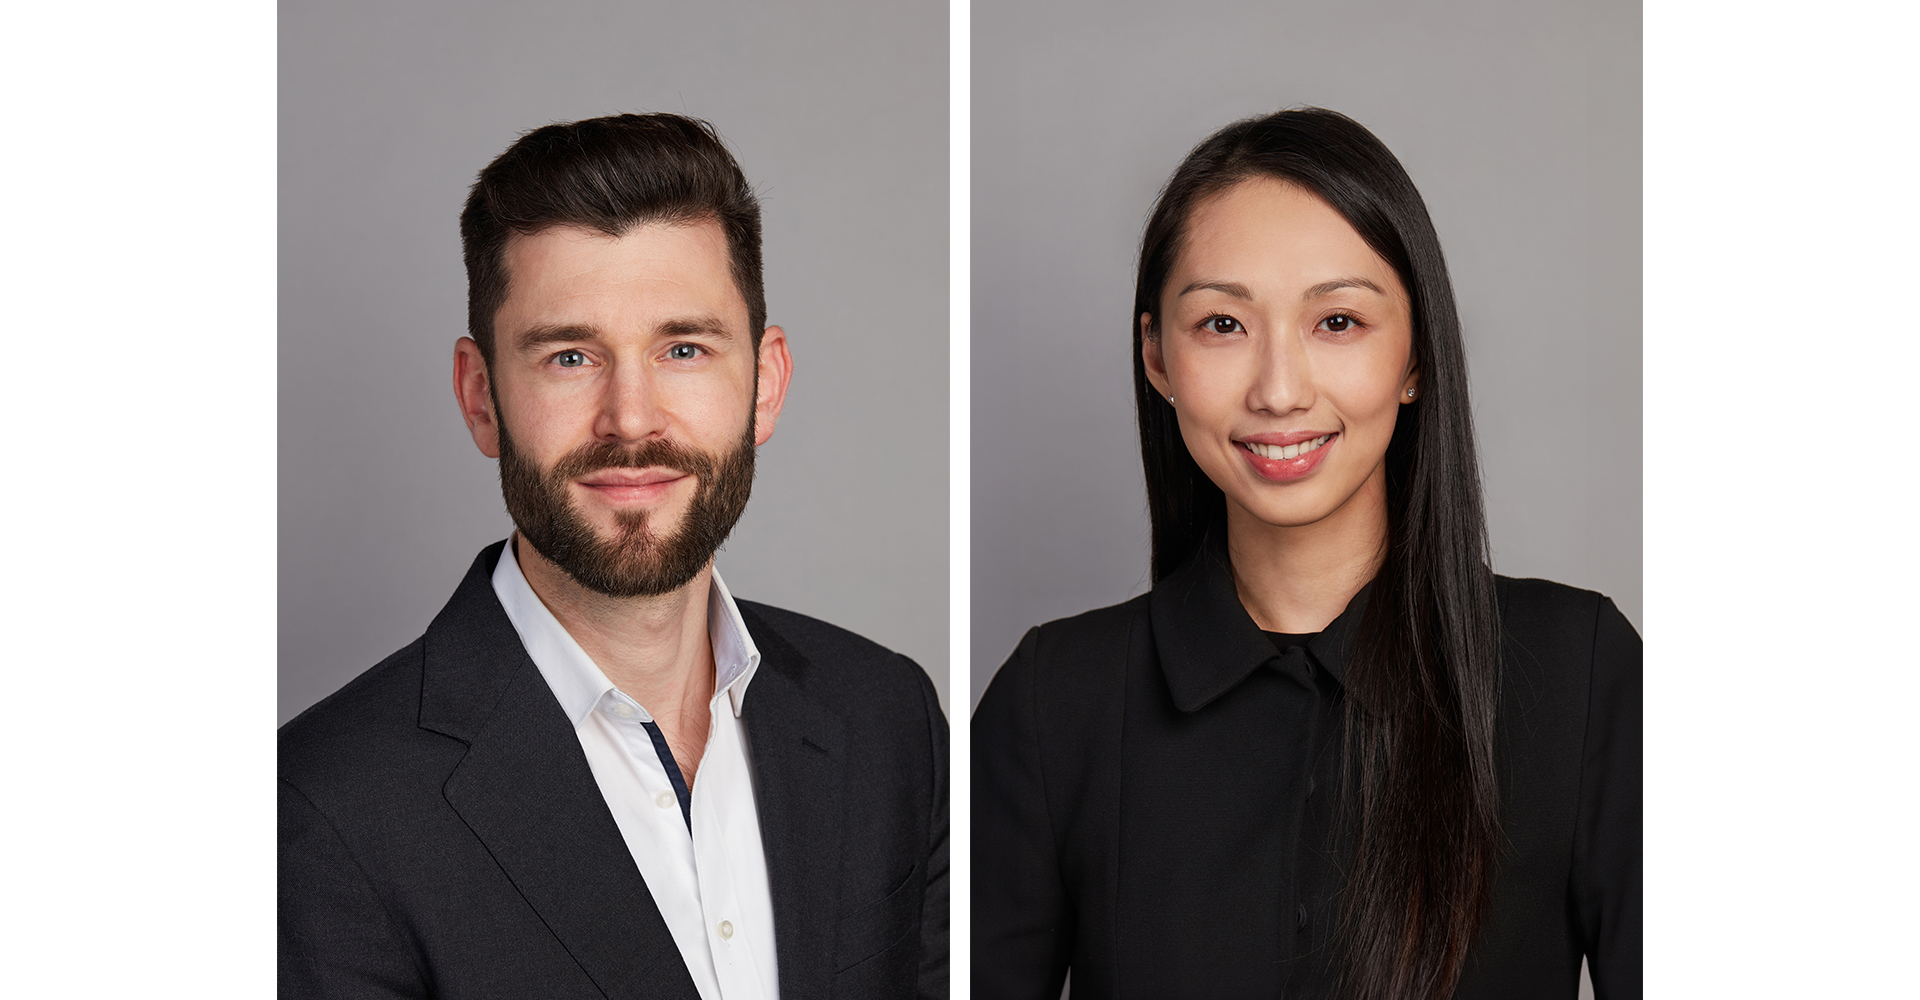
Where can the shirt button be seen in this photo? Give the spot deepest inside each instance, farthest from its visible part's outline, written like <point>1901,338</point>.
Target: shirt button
<point>726,928</point>
<point>1309,786</point>
<point>666,800</point>
<point>1301,914</point>
<point>623,710</point>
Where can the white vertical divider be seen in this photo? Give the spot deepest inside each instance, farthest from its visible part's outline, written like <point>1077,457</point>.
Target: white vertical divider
<point>959,483</point>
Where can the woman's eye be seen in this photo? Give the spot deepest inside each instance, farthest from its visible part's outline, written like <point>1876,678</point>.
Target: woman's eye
<point>570,359</point>
<point>1221,324</point>
<point>683,352</point>
<point>1337,324</point>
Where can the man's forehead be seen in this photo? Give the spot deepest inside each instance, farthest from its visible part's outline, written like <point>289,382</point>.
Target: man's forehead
<point>701,234</point>
<point>570,274</point>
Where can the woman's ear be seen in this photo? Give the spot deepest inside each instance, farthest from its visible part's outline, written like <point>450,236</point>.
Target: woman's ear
<point>1150,355</point>
<point>1410,389</point>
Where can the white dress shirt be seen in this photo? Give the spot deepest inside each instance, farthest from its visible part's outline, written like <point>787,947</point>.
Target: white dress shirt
<point>705,867</point>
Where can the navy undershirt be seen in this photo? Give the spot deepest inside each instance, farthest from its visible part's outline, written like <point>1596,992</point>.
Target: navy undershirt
<point>673,772</point>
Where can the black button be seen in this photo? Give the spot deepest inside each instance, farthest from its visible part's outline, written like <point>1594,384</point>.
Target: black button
<point>1303,916</point>
<point>1309,786</point>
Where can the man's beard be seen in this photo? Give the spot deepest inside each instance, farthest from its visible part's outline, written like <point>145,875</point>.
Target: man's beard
<point>637,561</point>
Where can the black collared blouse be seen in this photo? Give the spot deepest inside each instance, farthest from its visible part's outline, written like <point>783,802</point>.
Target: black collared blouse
<point>1156,788</point>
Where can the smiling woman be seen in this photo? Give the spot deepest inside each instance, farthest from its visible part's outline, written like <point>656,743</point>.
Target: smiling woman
<point>1292,343</point>
<point>1330,753</point>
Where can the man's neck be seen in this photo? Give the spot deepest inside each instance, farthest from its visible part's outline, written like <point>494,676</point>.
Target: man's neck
<point>655,649</point>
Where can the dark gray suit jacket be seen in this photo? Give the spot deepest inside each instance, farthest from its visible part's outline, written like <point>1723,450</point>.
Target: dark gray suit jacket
<point>442,836</point>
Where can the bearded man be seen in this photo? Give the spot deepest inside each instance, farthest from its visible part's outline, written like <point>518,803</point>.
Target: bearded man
<point>598,774</point>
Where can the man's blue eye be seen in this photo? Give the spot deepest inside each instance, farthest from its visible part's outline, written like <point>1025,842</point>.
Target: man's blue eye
<point>570,359</point>
<point>683,352</point>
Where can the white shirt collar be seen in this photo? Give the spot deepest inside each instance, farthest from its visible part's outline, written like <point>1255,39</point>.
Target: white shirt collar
<point>578,682</point>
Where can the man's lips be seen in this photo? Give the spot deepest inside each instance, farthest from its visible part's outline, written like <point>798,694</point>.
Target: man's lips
<point>638,486</point>
<point>630,477</point>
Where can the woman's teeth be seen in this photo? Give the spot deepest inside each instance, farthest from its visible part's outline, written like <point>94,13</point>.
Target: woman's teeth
<point>1290,451</point>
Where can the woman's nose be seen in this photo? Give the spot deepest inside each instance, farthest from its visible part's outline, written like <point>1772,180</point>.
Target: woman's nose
<point>1283,380</point>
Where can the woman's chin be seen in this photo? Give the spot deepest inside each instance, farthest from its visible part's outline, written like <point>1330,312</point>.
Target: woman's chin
<point>1259,513</point>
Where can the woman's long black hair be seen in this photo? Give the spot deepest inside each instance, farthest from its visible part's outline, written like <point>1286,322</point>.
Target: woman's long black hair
<point>1422,674</point>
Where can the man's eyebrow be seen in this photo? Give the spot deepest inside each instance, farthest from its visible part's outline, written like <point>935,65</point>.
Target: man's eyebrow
<point>562,333</point>
<point>693,326</point>
<point>1338,283</point>
<point>1233,288</point>
<point>540,336</point>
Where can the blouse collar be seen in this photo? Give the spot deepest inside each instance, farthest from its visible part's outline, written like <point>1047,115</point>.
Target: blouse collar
<point>1207,641</point>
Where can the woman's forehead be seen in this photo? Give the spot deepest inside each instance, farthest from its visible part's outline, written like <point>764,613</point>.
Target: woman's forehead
<point>1269,232</point>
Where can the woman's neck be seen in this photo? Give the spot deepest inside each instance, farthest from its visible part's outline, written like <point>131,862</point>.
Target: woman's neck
<point>1298,579</point>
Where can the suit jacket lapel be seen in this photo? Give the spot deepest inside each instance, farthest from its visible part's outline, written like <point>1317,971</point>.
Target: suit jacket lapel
<point>797,746</point>
<point>525,790</point>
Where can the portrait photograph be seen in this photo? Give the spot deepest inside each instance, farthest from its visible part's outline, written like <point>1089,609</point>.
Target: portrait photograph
<point>1167,802</point>
<point>940,499</point>
<point>387,115</point>
<point>1520,125</point>
<point>613,629</point>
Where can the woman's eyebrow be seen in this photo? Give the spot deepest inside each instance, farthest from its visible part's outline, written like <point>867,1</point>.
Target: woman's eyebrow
<point>1338,283</point>
<point>1233,288</point>
<point>1240,291</point>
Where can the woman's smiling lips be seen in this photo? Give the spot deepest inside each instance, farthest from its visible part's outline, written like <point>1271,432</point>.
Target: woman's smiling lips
<point>632,486</point>
<point>1284,457</point>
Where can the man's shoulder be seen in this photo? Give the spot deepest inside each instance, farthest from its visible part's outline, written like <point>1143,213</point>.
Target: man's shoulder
<point>843,666</point>
<point>810,635</point>
<point>380,719</point>
<point>373,700</point>
<point>360,733</point>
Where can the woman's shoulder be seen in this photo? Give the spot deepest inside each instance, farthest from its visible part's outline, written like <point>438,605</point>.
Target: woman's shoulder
<point>1542,607</point>
<point>1072,660</point>
<point>1089,633</point>
<point>1565,636</point>
<point>1088,644</point>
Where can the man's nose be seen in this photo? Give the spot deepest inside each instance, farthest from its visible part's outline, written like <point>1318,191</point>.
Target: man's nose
<point>631,410</point>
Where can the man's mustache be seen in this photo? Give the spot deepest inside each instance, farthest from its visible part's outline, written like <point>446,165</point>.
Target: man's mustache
<point>660,453</point>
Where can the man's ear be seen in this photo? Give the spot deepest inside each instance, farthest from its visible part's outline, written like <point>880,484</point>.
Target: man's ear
<point>775,372</point>
<point>1155,363</point>
<point>473,389</point>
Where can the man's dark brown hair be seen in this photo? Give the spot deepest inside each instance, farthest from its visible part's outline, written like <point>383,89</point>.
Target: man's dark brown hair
<point>608,175</point>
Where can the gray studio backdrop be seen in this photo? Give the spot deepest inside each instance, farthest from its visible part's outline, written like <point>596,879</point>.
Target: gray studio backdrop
<point>837,112</point>
<point>1519,121</point>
